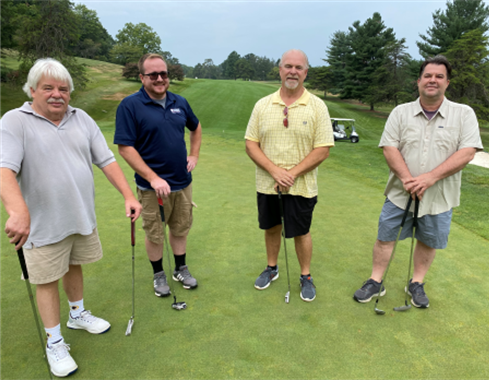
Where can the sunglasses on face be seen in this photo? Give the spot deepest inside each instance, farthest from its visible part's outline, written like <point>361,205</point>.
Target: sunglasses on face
<point>154,76</point>
<point>286,119</point>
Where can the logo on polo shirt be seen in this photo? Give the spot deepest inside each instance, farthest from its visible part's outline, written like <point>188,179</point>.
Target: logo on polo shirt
<point>175,110</point>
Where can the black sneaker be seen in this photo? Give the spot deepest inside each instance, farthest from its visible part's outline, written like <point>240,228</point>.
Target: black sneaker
<point>369,289</point>
<point>419,297</point>
<point>266,277</point>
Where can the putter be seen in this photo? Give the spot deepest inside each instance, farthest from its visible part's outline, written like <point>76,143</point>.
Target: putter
<point>133,243</point>
<point>20,253</point>
<point>408,205</point>
<point>176,305</point>
<point>415,226</point>
<point>287,295</point>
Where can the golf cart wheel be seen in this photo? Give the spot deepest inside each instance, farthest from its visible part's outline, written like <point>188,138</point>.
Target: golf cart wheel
<point>354,139</point>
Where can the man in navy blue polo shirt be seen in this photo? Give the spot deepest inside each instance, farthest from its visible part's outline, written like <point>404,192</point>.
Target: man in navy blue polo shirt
<point>150,132</point>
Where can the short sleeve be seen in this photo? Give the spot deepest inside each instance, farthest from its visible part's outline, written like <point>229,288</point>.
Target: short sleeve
<point>470,135</point>
<point>12,141</point>
<point>391,135</point>
<point>125,125</point>
<point>252,128</point>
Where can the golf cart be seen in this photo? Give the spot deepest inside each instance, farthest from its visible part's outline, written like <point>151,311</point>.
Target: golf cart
<point>341,128</point>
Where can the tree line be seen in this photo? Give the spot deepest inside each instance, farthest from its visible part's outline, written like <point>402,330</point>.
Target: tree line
<point>368,63</point>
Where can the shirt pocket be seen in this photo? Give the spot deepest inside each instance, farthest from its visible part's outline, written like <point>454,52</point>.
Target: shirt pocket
<point>446,138</point>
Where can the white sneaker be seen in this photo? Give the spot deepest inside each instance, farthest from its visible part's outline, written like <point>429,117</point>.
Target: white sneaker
<point>86,321</point>
<point>60,360</point>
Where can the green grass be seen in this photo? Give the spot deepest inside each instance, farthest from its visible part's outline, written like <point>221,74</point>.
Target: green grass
<point>232,331</point>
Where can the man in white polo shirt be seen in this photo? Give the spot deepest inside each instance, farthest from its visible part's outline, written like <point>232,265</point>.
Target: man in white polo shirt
<point>426,144</point>
<point>46,156</point>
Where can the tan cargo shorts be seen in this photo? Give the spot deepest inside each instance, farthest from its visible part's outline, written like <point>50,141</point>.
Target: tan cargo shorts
<point>51,262</point>
<point>178,213</point>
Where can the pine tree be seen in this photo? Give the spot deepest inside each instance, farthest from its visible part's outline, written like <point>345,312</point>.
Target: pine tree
<point>336,57</point>
<point>460,17</point>
<point>470,72</point>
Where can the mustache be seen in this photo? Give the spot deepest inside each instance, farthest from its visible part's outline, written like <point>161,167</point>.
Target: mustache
<point>56,100</point>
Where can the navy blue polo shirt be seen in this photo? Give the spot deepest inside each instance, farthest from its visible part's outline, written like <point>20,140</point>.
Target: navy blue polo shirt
<point>158,134</point>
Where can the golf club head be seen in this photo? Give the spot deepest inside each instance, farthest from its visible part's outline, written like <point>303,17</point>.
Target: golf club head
<point>129,327</point>
<point>403,308</point>
<point>179,305</point>
<point>287,297</point>
<point>378,311</point>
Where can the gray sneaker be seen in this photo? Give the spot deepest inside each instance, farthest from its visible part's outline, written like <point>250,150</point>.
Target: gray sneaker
<point>419,297</point>
<point>308,289</point>
<point>265,278</point>
<point>184,276</point>
<point>369,289</point>
<point>160,285</point>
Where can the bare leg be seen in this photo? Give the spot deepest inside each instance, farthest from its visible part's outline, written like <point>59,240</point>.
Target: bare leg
<point>423,257</point>
<point>303,248</point>
<point>272,243</point>
<point>178,244</point>
<point>47,296</point>
<point>155,251</point>
<point>73,283</point>
<point>381,254</point>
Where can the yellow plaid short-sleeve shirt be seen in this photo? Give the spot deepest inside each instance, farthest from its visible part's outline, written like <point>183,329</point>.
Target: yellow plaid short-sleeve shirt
<point>309,128</point>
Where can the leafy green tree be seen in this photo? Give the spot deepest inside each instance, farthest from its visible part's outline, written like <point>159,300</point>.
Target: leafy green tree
<point>470,72</point>
<point>274,73</point>
<point>367,42</point>
<point>169,58</point>
<point>228,66</point>
<point>460,17</point>
<point>243,69</point>
<point>52,30</point>
<point>139,35</point>
<point>337,54</point>
<point>94,40</point>
<point>176,72</point>
<point>125,53</point>
<point>131,71</point>
<point>188,71</point>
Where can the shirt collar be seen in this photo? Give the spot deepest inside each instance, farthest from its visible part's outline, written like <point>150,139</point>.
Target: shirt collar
<point>303,100</point>
<point>170,98</point>
<point>442,110</point>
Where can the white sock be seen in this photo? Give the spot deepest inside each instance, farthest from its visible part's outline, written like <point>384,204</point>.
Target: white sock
<point>76,308</point>
<point>53,334</point>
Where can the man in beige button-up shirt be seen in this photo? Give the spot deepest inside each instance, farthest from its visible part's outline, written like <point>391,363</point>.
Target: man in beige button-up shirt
<point>426,144</point>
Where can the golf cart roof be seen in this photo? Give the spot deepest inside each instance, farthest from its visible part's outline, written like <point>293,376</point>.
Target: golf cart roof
<point>339,119</point>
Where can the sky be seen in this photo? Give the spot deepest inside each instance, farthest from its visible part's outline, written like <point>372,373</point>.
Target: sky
<point>197,30</point>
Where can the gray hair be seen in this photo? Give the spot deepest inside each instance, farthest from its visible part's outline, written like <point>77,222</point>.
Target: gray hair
<point>297,51</point>
<point>48,67</point>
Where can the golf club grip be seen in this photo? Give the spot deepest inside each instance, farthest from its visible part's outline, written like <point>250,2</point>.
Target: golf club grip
<point>162,210</point>
<point>408,206</point>
<point>281,204</point>
<point>133,237</point>
<point>20,253</point>
<point>416,209</point>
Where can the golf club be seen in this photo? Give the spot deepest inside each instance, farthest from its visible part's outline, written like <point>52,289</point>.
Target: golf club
<point>20,253</point>
<point>382,282</point>
<point>176,305</point>
<point>133,243</point>
<point>287,295</point>
<point>415,226</point>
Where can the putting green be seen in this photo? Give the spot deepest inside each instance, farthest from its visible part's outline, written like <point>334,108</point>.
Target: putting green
<point>232,331</point>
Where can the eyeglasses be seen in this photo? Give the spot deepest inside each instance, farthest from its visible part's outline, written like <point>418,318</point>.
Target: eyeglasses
<point>286,119</point>
<point>154,76</point>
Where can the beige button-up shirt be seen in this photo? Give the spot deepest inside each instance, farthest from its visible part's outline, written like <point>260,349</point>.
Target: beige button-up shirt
<point>425,144</point>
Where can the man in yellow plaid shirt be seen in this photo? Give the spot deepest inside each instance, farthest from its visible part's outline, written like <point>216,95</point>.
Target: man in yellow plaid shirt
<point>288,136</point>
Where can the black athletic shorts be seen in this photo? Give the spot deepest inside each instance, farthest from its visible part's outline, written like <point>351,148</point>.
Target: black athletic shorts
<point>297,213</point>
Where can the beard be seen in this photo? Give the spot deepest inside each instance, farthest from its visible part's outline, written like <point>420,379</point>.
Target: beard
<point>291,86</point>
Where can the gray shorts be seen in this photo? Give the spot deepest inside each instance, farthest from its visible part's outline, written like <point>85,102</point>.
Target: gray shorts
<point>432,230</point>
